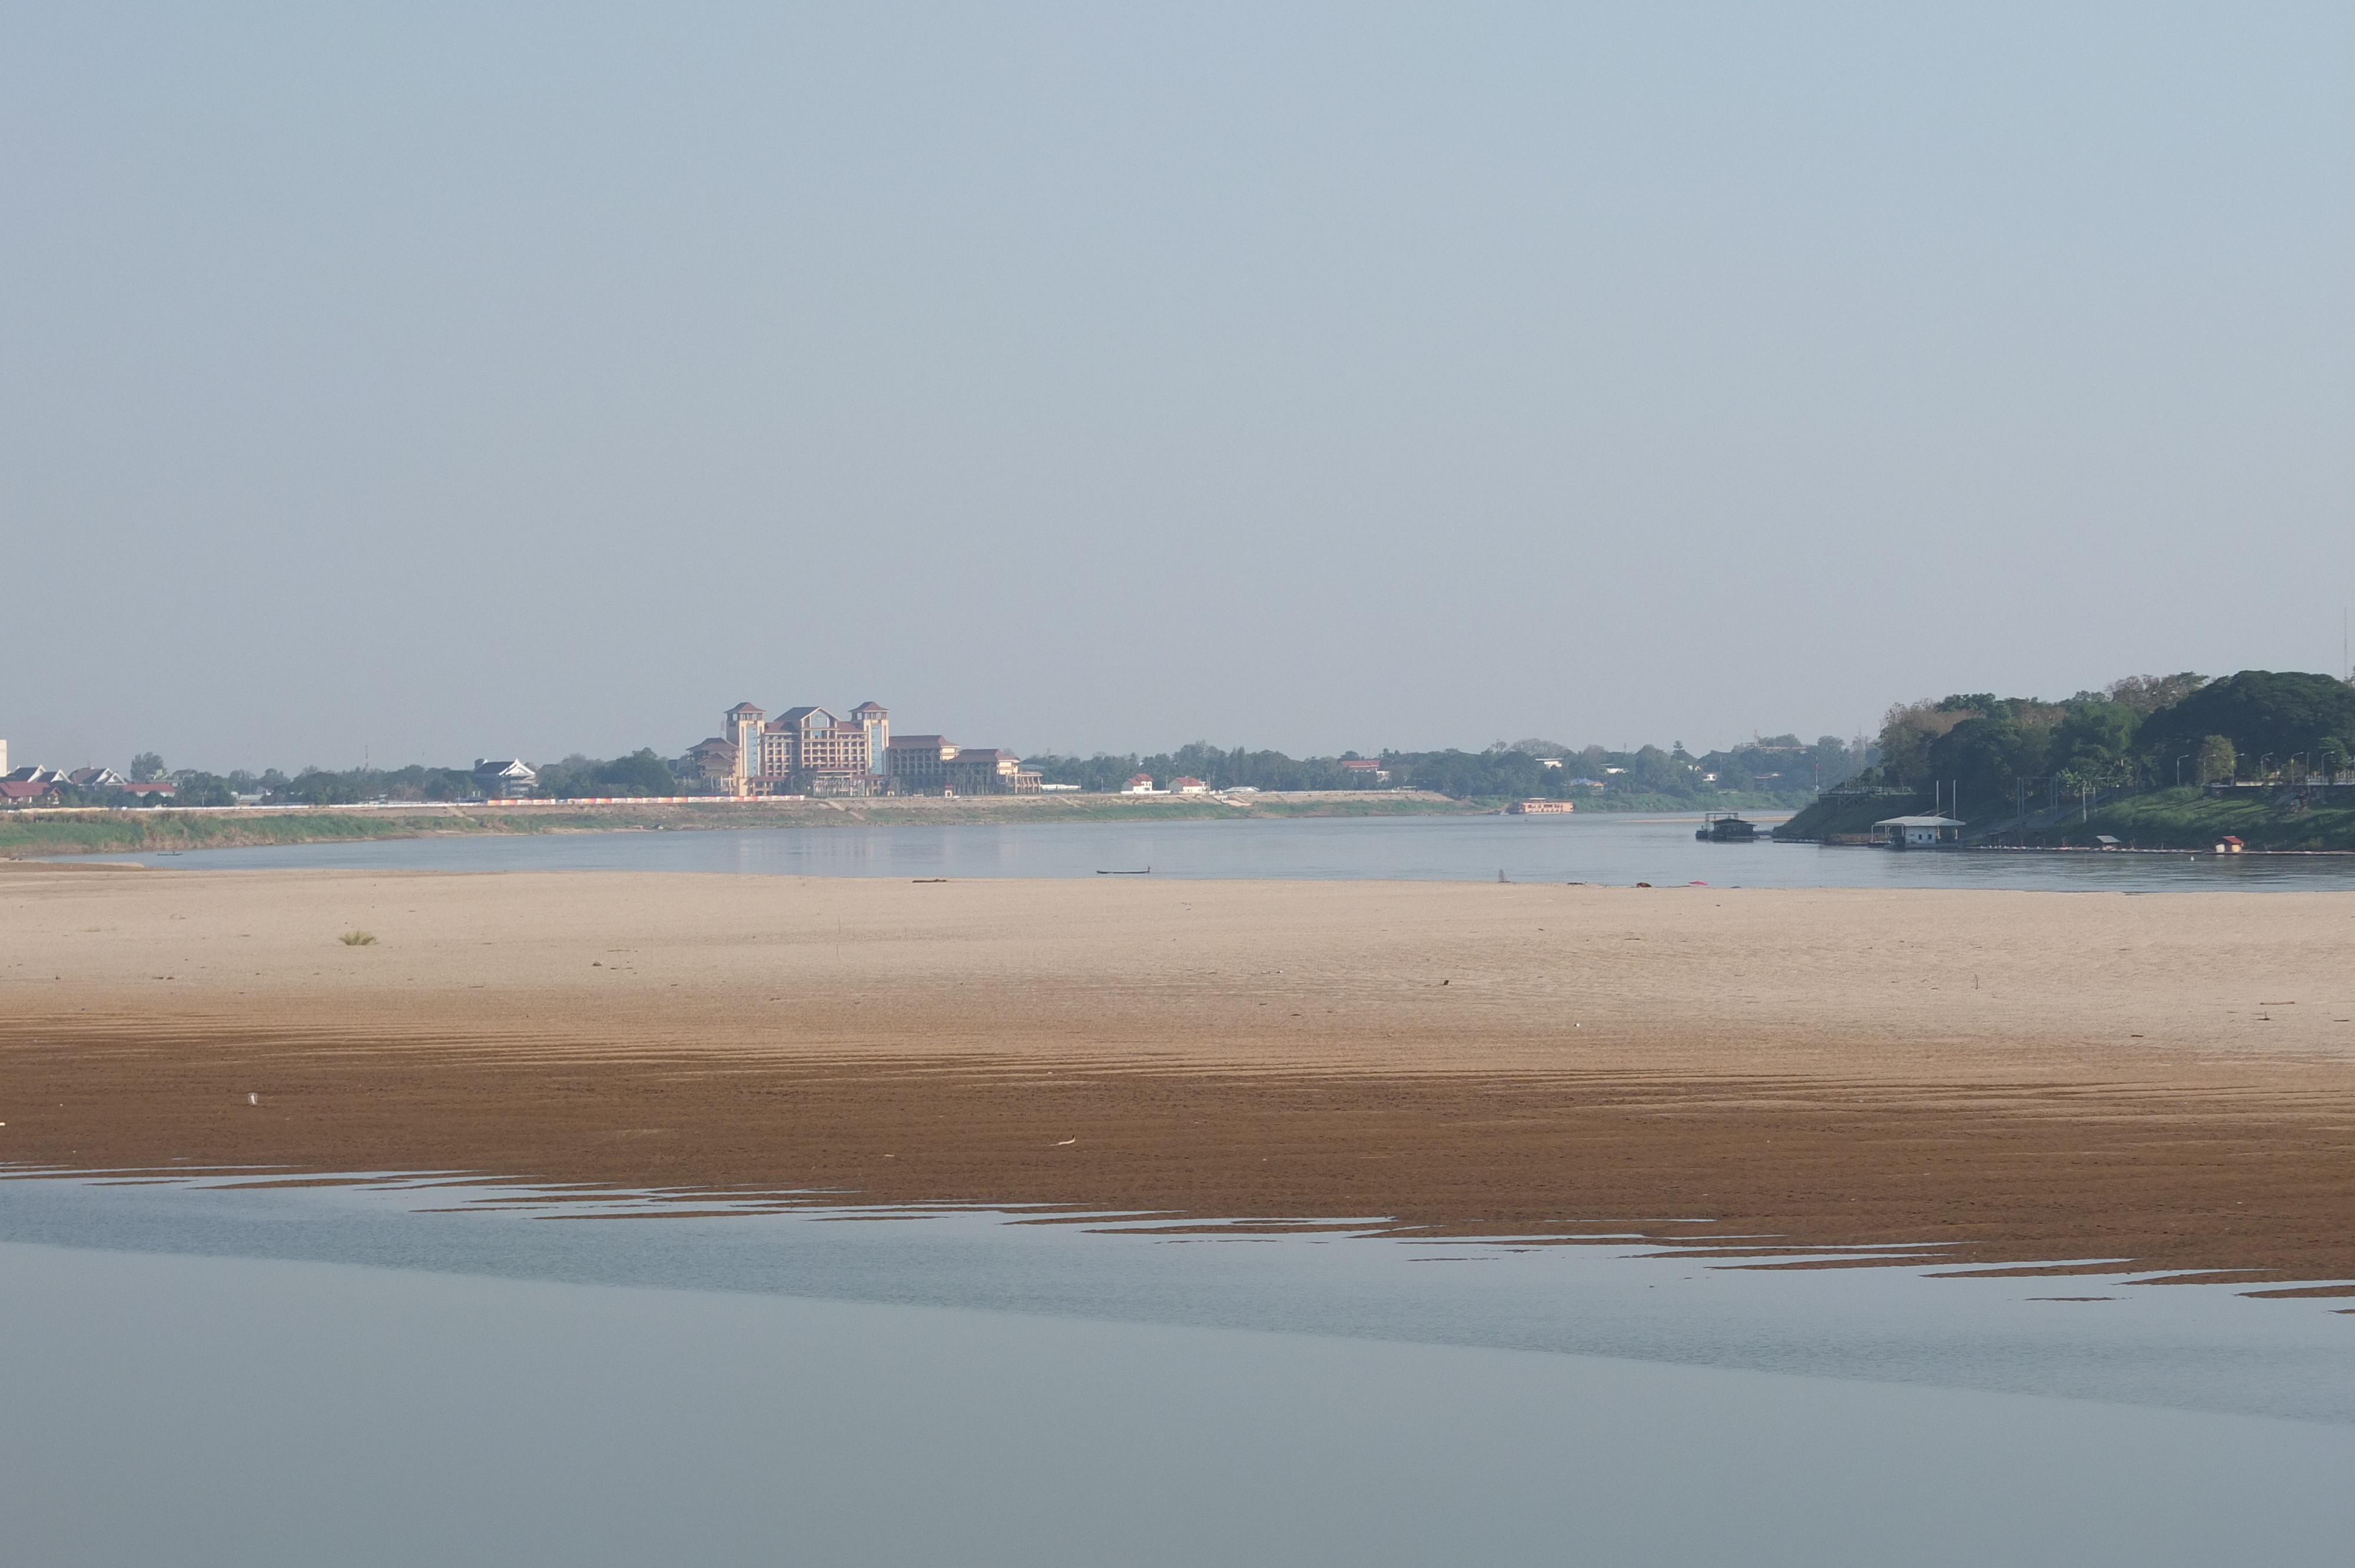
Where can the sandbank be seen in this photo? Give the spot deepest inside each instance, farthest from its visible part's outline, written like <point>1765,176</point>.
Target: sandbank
<point>2019,1077</point>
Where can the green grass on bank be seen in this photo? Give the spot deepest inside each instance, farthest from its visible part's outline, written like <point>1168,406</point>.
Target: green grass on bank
<point>147,831</point>
<point>2162,819</point>
<point>1830,819</point>
<point>2188,818</point>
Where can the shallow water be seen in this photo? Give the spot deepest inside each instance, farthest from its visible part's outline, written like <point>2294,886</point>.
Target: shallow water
<point>253,1413</point>
<point>2192,1347</point>
<point>952,1389</point>
<point>1597,847</point>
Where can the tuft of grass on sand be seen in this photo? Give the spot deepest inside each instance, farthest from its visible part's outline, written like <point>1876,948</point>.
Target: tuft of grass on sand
<point>358,939</point>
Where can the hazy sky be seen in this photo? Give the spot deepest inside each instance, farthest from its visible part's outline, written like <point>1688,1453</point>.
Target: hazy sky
<point>460,380</point>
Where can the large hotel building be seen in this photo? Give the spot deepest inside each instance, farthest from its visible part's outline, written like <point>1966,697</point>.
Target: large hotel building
<point>810,751</point>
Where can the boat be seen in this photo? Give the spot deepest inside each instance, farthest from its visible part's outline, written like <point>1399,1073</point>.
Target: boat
<point>1729,829</point>
<point>1147,872</point>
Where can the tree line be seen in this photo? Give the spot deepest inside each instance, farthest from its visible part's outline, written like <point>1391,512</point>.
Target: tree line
<point>640,774</point>
<point>1781,768</point>
<point>2144,731</point>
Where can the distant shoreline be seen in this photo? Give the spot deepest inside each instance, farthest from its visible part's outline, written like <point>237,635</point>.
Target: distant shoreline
<point>36,833</point>
<point>39,833</point>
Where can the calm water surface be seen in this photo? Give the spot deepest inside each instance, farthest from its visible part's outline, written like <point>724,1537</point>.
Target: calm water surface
<point>1602,848</point>
<point>258,1376</point>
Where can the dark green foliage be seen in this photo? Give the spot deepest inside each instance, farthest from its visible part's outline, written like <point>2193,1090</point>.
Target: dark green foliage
<point>196,789</point>
<point>2265,714</point>
<point>2146,695</point>
<point>1835,816</point>
<point>638,775</point>
<point>1991,755</point>
<point>2188,818</point>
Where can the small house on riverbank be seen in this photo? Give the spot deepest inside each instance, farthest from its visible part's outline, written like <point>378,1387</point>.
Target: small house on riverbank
<point>1917,833</point>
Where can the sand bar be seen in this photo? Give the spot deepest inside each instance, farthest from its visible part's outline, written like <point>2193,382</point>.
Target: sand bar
<point>2021,1076</point>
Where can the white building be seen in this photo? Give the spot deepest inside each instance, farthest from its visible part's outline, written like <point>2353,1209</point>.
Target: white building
<point>509,778</point>
<point>1917,833</point>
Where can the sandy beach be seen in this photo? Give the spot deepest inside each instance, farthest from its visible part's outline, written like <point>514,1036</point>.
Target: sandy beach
<point>2023,1078</point>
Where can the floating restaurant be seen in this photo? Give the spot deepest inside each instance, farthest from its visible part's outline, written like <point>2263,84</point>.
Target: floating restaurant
<point>1917,833</point>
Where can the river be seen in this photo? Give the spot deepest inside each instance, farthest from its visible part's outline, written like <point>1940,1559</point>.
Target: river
<point>1597,848</point>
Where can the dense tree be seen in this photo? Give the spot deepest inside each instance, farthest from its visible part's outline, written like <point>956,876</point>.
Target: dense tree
<point>576,777</point>
<point>191,788</point>
<point>1909,729</point>
<point>2092,746</point>
<point>640,773</point>
<point>146,767</point>
<point>2265,714</point>
<point>1985,760</point>
<point>2133,730</point>
<point>2146,695</point>
<point>1513,771</point>
<point>317,787</point>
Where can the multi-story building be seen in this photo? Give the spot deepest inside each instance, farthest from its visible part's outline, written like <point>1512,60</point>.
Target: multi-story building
<point>932,765</point>
<point>802,751</point>
<point>873,718</point>
<point>713,760</point>
<point>811,751</point>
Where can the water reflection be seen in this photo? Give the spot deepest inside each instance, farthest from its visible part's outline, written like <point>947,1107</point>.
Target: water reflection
<point>2096,1335</point>
<point>206,1411</point>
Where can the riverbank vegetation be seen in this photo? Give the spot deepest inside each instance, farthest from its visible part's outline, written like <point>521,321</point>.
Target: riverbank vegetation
<point>637,775</point>
<point>1780,771</point>
<point>2191,819</point>
<point>2147,732</point>
<point>2135,755</point>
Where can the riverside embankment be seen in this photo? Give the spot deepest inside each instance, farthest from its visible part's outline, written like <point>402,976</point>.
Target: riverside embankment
<point>2186,819</point>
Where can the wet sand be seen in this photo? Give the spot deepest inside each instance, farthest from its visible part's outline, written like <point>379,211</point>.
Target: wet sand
<point>2022,1077</point>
